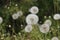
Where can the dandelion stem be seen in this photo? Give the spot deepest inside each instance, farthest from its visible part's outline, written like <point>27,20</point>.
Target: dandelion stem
<point>58,27</point>
<point>44,36</point>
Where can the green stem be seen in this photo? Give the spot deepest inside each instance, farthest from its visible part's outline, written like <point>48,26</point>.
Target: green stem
<point>58,27</point>
<point>44,36</point>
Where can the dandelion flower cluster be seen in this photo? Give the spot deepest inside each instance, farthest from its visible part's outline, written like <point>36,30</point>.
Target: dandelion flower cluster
<point>32,19</point>
<point>16,15</point>
<point>44,28</point>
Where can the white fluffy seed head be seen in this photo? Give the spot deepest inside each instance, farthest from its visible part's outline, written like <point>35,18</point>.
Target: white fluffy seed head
<point>2,37</point>
<point>56,16</point>
<point>55,38</point>
<point>44,28</point>
<point>15,16</point>
<point>19,13</point>
<point>34,10</point>
<point>49,16</point>
<point>16,4</point>
<point>28,28</point>
<point>48,22</point>
<point>45,17</point>
<point>32,19</point>
<point>9,25</point>
<point>1,20</point>
<point>8,7</point>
